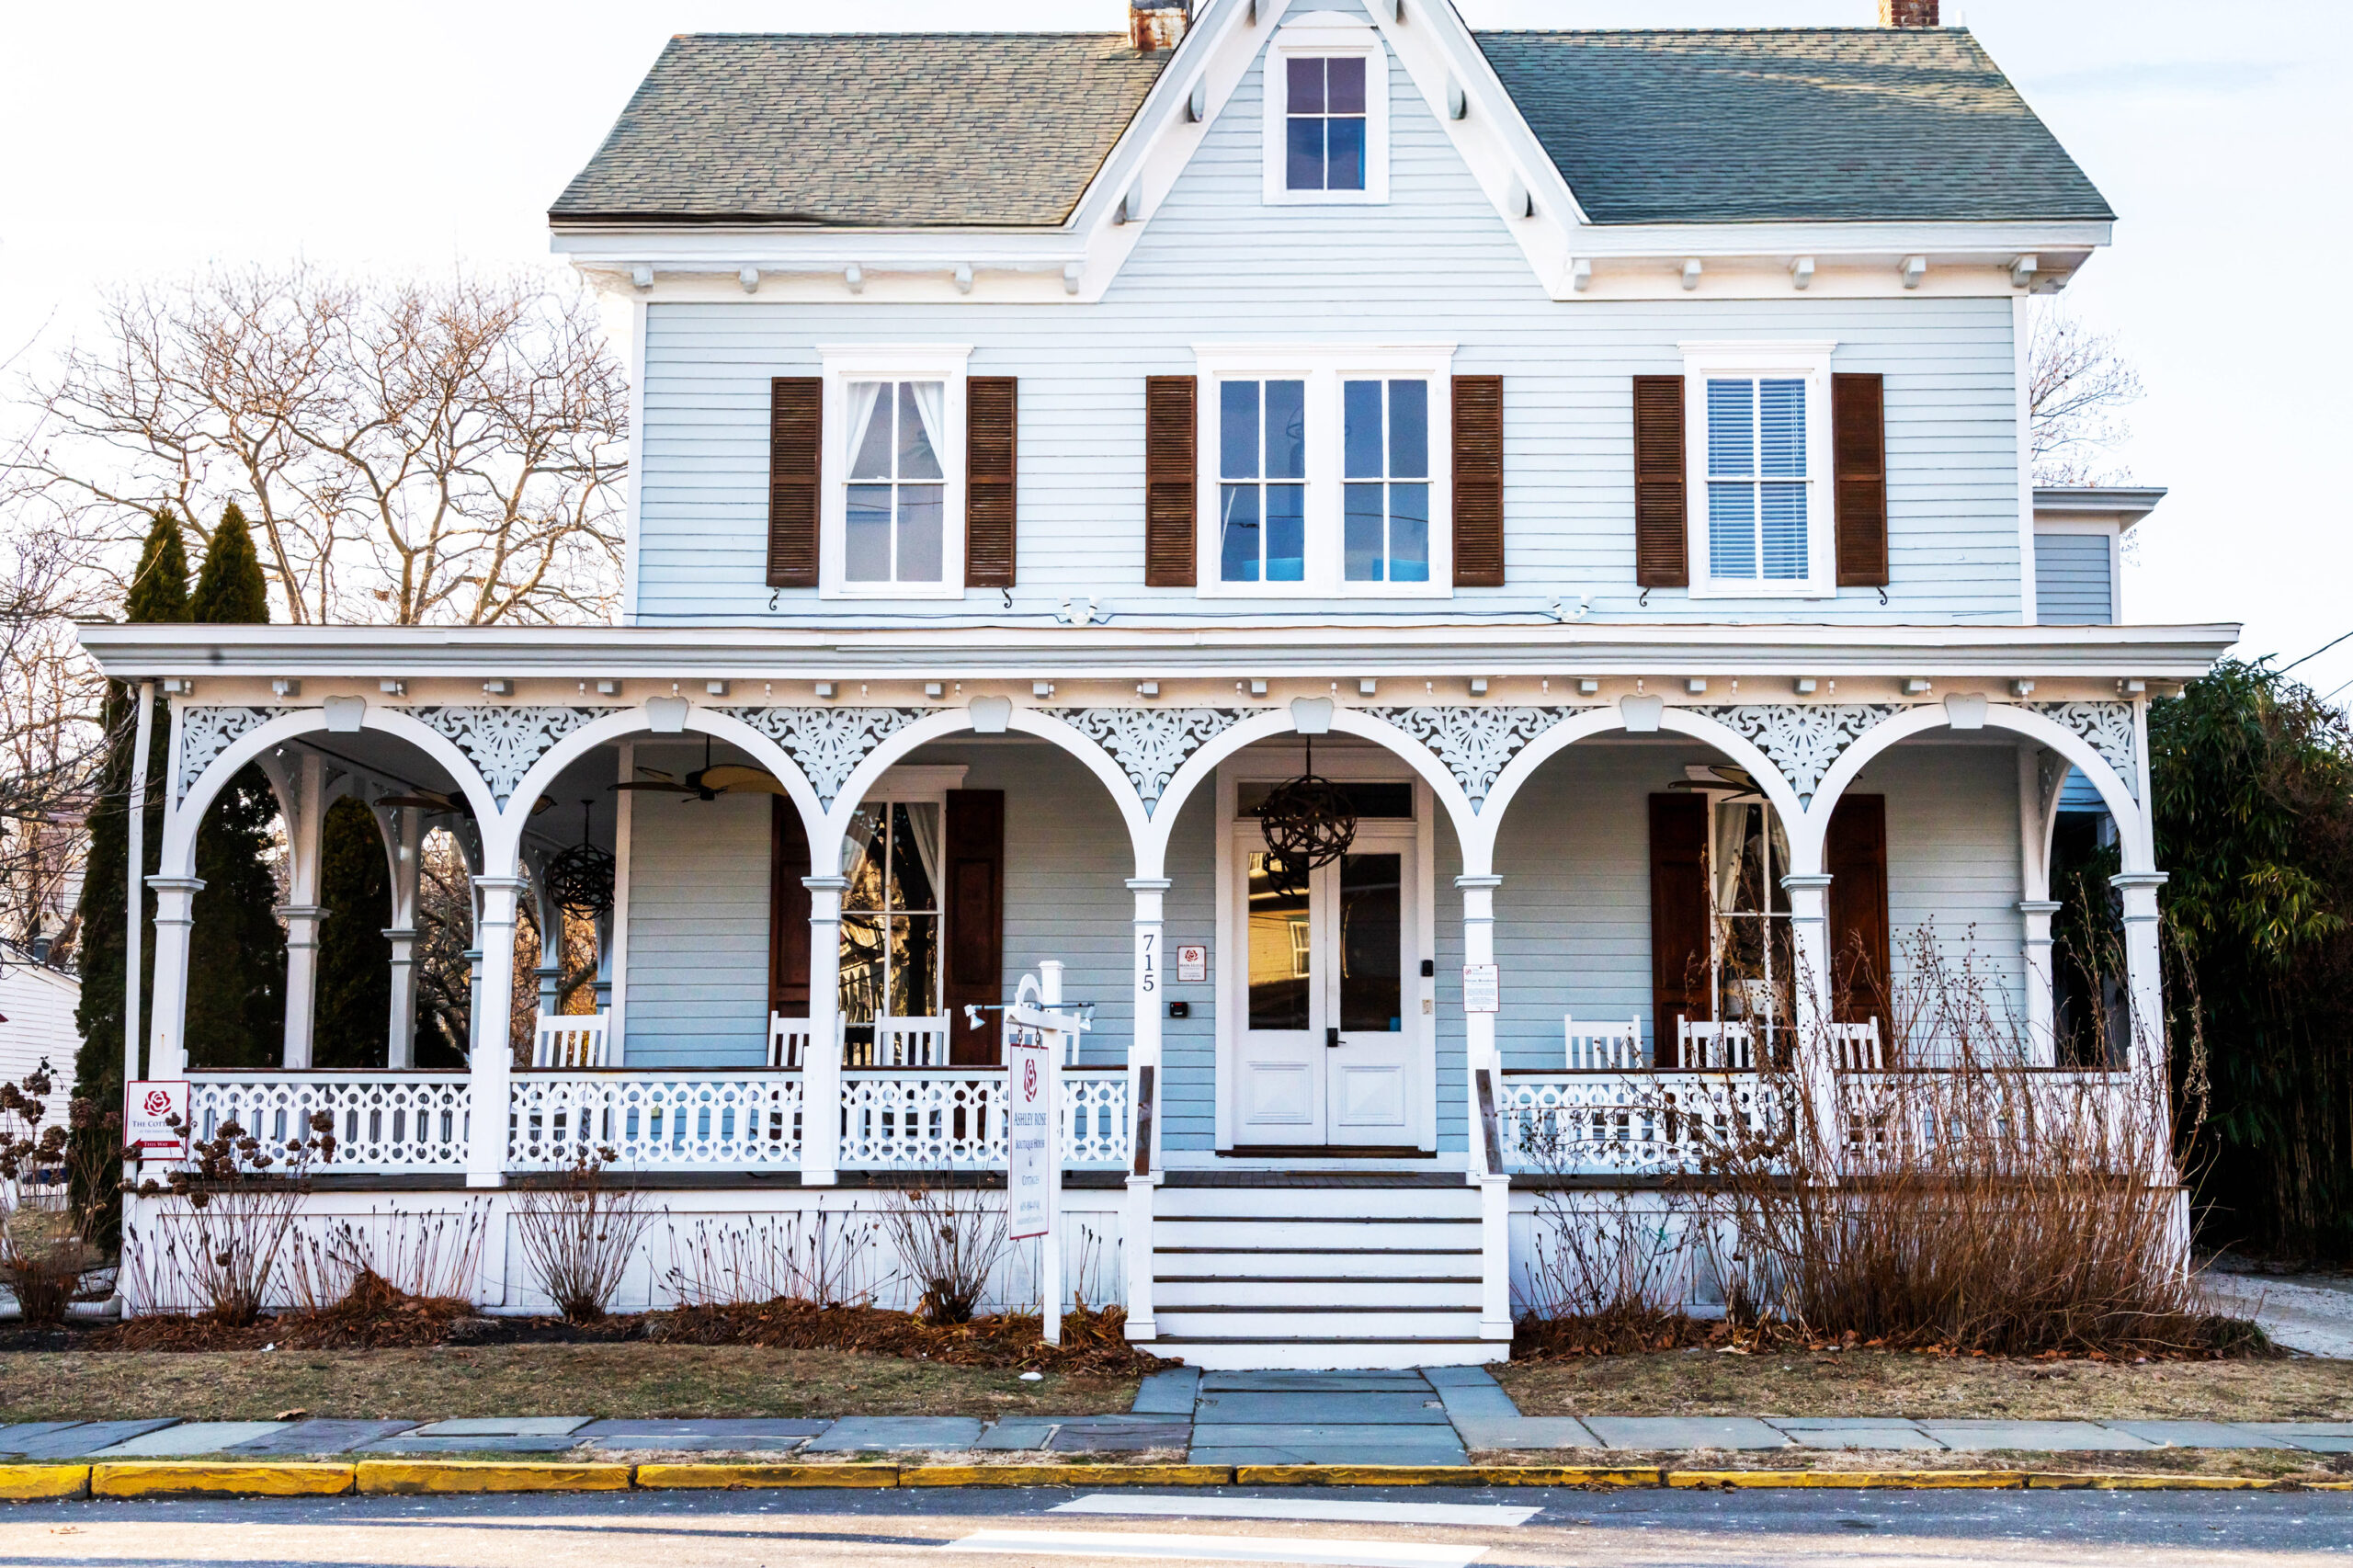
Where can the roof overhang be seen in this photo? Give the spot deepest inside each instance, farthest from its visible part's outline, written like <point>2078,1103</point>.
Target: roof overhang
<point>2122,504</point>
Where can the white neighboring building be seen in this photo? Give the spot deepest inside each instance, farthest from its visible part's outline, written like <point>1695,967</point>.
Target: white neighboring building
<point>36,1005</point>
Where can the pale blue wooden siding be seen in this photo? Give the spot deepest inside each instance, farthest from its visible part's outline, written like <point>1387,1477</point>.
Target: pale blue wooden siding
<point>2072,586</point>
<point>698,926</point>
<point>1434,264</point>
<point>1952,860</point>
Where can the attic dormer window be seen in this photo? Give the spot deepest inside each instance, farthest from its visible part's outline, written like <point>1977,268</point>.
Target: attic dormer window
<point>1323,122</point>
<point>1326,112</point>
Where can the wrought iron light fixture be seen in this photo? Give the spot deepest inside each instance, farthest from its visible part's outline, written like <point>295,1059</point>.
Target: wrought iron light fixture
<point>580,880</point>
<point>1307,823</point>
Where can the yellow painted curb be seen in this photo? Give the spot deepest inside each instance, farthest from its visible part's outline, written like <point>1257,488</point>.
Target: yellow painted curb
<point>1919,1480</point>
<point>171,1478</point>
<point>734,1475</point>
<point>2062,1481</point>
<point>1565,1475</point>
<point>25,1482</point>
<point>409,1476</point>
<point>1066,1475</point>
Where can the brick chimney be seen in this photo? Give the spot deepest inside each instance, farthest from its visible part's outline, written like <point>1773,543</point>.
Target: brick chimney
<point>1155,24</point>
<point>1907,13</point>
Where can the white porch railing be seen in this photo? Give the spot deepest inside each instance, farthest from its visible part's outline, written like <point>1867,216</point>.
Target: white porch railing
<point>1626,1123</point>
<point>726,1120</point>
<point>949,1118</point>
<point>384,1122</point>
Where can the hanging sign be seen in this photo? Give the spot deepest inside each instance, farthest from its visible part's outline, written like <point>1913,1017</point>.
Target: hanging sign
<point>1031,1134</point>
<point>149,1107</point>
<point>1192,963</point>
<point>1483,988</point>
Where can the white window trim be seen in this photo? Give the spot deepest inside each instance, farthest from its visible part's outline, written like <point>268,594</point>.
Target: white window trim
<point>1811,361</point>
<point>883,362</point>
<point>1324,367</point>
<point>1327,33</point>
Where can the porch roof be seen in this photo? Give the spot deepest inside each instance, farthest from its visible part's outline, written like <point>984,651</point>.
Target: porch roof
<point>1337,648</point>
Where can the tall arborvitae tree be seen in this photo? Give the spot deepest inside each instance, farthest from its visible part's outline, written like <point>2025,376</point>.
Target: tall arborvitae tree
<point>158,593</point>
<point>236,961</point>
<point>355,1002</point>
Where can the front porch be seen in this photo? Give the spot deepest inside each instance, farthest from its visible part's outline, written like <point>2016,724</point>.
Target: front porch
<point>814,905</point>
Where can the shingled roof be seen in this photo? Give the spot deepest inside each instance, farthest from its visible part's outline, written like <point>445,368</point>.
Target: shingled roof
<point>866,129</point>
<point>1801,125</point>
<point>1005,130</point>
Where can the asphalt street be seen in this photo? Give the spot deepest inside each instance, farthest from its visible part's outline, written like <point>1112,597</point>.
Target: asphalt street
<point>1375,1527</point>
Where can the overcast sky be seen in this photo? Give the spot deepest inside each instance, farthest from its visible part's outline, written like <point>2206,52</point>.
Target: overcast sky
<point>140,137</point>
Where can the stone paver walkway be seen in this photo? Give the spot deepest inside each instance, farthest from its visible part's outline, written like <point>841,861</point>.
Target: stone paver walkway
<point>1437,1415</point>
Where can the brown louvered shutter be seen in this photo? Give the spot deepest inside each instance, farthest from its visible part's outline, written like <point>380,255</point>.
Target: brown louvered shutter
<point>1679,920</point>
<point>991,412</point>
<point>1854,851</point>
<point>788,910</point>
<point>1170,426</point>
<point>1662,527</point>
<point>1859,445</point>
<point>796,420</point>
<point>972,863</point>
<point>1478,482</point>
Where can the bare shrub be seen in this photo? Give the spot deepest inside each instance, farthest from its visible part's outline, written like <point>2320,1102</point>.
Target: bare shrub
<point>431,1256</point>
<point>219,1242</point>
<point>46,1244</point>
<point>579,1233</point>
<point>814,1257</point>
<point>948,1239</point>
<point>1608,1273</point>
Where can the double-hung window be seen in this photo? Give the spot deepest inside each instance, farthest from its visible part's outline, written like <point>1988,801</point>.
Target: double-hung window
<point>1385,461</point>
<point>896,521</point>
<point>893,511</point>
<point>1760,524</point>
<point>1326,112</point>
<point>1325,470</point>
<point>1262,474</point>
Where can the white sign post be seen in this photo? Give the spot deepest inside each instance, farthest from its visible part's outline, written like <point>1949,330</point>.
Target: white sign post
<point>1035,1038</point>
<point>149,1108</point>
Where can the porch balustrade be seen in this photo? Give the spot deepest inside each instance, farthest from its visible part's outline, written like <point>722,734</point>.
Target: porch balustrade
<point>719,1119</point>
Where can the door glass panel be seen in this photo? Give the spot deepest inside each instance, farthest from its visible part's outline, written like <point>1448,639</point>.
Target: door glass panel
<point>915,966</point>
<point>863,848</point>
<point>1371,977</point>
<point>1280,951</point>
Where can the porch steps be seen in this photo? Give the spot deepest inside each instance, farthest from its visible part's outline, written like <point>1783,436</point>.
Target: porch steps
<point>1363,1272</point>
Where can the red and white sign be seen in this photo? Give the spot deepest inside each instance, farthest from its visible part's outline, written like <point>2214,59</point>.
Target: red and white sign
<point>1030,1136</point>
<point>149,1107</point>
<point>1192,963</point>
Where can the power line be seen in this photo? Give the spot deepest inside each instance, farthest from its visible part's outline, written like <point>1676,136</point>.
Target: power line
<point>2316,653</point>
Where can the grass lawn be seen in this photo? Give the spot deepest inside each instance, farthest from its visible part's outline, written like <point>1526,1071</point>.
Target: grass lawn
<point>647,1380</point>
<point>1877,1382</point>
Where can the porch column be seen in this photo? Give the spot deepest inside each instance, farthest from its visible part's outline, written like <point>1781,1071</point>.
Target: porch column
<point>2041,982</point>
<point>1483,1067</point>
<point>1143,1057</point>
<point>491,1063</point>
<point>2143,979</point>
<point>549,971</point>
<point>399,1048</point>
<point>166,1042</point>
<point>302,912</point>
<point>1478,947</point>
<point>1816,1058</point>
<point>821,1066</point>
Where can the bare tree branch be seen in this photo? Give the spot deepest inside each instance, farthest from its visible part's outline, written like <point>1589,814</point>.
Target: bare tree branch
<point>2078,380</point>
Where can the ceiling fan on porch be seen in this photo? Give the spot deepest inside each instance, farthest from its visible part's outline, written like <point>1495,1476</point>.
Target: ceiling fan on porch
<point>1736,786</point>
<point>709,781</point>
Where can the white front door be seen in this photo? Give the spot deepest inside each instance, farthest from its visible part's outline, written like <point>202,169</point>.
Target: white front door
<point>1325,1049</point>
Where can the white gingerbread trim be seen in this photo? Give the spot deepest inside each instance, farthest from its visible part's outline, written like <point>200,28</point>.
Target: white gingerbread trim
<point>1151,743</point>
<point>505,742</point>
<point>1804,740</point>
<point>827,744</point>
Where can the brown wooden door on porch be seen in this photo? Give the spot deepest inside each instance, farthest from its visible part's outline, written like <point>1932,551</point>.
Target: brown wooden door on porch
<point>1679,920</point>
<point>974,901</point>
<point>788,910</point>
<point>1853,852</point>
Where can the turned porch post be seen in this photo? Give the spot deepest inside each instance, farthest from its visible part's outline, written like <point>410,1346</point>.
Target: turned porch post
<point>491,1064</point>
<point>1815,1057</point>
<point>2143,979</point>
<point>302,912</point>
<point>407,842</point>
<point>821,1065</point>
<point>168,1041</point>
<point>1144,1058</point>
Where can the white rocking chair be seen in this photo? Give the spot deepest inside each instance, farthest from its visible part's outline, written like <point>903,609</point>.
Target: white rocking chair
<point>573,1040</point>
<point>1604,1048</point>
<point>788,1041</point>
<point>1706,1047</point>
<point>1857,1046</point>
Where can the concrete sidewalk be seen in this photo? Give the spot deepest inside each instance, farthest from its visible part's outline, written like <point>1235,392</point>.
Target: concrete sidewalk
<point>1437,1415</point>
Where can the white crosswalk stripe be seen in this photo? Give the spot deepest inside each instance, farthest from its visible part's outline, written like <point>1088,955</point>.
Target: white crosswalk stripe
<point>1218,1548</point>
